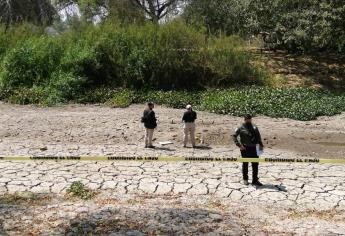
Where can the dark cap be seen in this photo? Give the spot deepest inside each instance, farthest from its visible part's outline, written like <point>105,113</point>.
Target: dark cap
<point>150,103</point>
<point>248,117</point>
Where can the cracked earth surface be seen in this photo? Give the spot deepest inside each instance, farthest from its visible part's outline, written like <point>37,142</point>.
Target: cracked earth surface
<point>137,198</point>
<point>159,198</point>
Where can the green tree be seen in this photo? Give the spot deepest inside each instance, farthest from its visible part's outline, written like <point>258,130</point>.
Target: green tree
<point>309,25</point>
<point>157,9</point>
<point>220,16</point>
<point>125,11</point>
<point>128,10</point>
<point>40,12</point>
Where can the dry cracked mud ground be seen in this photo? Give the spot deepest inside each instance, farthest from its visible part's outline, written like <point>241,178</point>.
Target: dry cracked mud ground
<point>158,198</point>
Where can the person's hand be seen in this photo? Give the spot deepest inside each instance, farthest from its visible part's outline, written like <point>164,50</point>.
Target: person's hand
<point>242,148</point>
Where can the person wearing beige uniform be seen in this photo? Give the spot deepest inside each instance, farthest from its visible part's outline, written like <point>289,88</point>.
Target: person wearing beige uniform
<point>188,119</point>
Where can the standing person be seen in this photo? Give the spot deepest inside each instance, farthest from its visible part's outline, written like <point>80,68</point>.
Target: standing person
<point>249,138</point>
<point>150,123</point>
<point>188,119</point>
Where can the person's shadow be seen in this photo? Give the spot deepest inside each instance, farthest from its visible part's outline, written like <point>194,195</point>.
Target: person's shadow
<point>279,188</point>
<point>165,149</point>
<point>203,147</point>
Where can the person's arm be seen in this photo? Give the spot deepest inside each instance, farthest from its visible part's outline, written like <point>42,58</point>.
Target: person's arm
<point>196,115</point>
<point>184,117</point>
<point>153,116</point>
<point>154,119</point>
<point>235,137</point>
<point>259,138</point>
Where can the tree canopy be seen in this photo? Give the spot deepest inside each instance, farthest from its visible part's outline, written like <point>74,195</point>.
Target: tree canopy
<point>154,10</point>
<point>309,25</point>
<point>298,26</point>
<point>36,11</point>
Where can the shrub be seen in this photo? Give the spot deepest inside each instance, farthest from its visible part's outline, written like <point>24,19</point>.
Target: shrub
<point>24,96</point>
<point>17,35</point>
<point>121,99</point>
<point>175,60</point>
<point>80,58</point>
<point>64,87</point>
<point>171,56</point>
<point>98,95</point>
<point>31,63</point>
<point>78,189</point>
<point>225,63</point>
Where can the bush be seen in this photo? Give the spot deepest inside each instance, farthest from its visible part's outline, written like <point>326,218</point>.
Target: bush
<point>225,63</point>
<point>24,96</point>
<point>171,56</point>
<point>121,99</point>
<point>80,58</point>
<point>17,35</point>
<point>64,87</point>
<point>98,95</point>
<point>31,63</point>
<point>78,189</point>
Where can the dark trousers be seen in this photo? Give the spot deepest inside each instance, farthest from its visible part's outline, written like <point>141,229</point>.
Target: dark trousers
<point>250,152</point>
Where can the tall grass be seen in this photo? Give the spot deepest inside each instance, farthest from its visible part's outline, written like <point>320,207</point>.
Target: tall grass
<point>172,56</point>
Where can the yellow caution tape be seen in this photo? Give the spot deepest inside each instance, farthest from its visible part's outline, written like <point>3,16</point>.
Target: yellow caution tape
<point>174,159</point>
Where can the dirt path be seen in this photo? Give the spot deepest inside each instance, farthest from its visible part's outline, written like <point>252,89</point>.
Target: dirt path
<point>87,130</point>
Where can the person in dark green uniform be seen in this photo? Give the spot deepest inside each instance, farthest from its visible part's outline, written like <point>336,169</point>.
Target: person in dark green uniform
<point>249,138</point>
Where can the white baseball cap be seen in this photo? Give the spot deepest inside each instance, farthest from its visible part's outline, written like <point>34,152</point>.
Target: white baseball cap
<point>188,107</point>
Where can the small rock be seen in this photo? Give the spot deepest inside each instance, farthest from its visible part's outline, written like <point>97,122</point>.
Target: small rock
<point>134,233</point>
<point>82,210</point>
<point>216,217</point>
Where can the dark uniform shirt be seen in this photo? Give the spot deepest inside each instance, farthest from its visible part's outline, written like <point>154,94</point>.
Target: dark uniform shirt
<point>249,137</point>
<point>149,119</point>
<point>189,117</point>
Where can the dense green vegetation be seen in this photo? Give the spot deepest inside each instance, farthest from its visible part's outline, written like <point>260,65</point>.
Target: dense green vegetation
<point>298,26</point>
<point>172,56</point>
<point>294,103</point>
<point>153,50</point>
<point>295,25</point>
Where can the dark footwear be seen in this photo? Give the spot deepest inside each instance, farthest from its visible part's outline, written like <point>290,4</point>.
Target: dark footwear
<point>195,146</point>
<point>257,183</point>
<point>245,182</point>
<point>151,147</point>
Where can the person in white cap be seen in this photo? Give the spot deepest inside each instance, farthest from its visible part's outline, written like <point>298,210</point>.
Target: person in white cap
<point>188,119</point>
